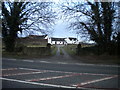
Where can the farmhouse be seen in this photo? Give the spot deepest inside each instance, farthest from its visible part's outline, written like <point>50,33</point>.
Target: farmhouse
<point>71,40</point>
<point>63,41</point>
<point>53,40</point>
<point>33,40</point>
<point>44,39</point>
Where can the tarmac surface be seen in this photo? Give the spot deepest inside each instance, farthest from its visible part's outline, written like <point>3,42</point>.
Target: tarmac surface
<point>28,74</point>
<point>58,72</point>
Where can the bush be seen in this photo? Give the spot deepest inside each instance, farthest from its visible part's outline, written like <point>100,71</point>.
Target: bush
<point>19,48</point>
<point>48,45</point>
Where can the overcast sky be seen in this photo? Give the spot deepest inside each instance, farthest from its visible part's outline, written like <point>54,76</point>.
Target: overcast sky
<point>61,30</point>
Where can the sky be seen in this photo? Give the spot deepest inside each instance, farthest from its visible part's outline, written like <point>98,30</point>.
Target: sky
<point>61,30</point>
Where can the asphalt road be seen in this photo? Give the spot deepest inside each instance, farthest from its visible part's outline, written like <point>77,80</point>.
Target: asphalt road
<point>42,74</point>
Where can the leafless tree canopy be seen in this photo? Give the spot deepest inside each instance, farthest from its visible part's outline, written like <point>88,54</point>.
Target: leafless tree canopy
<point>94,19</point>
<point>20,16</point>
<point>97,20</point>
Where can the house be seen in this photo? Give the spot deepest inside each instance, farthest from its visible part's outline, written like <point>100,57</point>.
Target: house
<point>37,36</point>
<point>62,41</point>
<point>71,40</point>
<point>53,40</point>
<point>33,40</point>
<point>44,39</point>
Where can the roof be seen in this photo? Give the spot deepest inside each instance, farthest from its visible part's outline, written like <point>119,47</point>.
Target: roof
<point>29,39</point>
<point>71,38</point>
<point>37,36</point>
<point>58,39</point>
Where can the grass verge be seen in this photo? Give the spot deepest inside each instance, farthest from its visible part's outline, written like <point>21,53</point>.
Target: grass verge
<point>53,50</point>
<point>70,49</point>
<point>89,56</point>
<point>21,55</point>
<point>61,52</point>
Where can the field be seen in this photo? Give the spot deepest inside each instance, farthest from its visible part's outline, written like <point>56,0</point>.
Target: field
<point>71,48</point>
<point>53,50</point>
<point>27,55</point>
<point>90,55</point>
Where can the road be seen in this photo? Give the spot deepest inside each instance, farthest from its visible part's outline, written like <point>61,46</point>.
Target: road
<point>18,73</point>
<point>59,71</point>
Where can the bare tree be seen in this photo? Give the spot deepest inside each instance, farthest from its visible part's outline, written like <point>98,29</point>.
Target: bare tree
<point>93,19</point>
<point>20,16</point>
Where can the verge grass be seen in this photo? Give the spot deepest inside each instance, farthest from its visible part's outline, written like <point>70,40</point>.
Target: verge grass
<point>21,55</point>
<point>70,49</point>
<point>53,50</point>
<point>90,55</point>
<point>61,52</point>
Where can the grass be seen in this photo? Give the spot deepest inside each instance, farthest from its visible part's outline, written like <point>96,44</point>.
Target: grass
<point>54,50</point>
<point>13,55</point>
<point>61,52</point>
<point>21,55</point>
<point>90,55</point>
<point>36,45</point>
<point>98,59</point>
<point>70,49</point>
<point>85,56</point>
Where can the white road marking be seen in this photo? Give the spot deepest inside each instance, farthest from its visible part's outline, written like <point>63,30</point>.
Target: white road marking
<point>30,69</point>
<point>22,73</point>
<point>28,60</point>
<point>34,83</point>
<point>51,71</point>
<point>45,70</point>
<point>66,72</point>
<point>42,71</point>
<point>7,69</point>
<point>84,64</point>
<point>94,81</point>
<point>44,62</point>
<point>98,80</point>
<point>50,78</point>
<point>13,59</point>
<point>63,63</point>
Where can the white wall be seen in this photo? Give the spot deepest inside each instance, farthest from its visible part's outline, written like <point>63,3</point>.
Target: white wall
<point>61,42</point>
<point>48,38</point>
<point>71,41</point>
<point>57,42</point>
